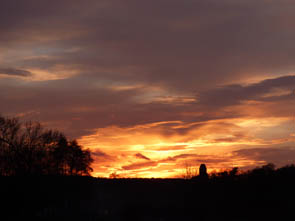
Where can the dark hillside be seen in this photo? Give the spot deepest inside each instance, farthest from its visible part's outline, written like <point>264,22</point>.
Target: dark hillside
<point>257,195</point>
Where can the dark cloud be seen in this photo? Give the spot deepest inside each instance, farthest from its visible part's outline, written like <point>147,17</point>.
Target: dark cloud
<point>136,166</point>
<point>184,46</point>
<point>78,105</point>
<point>236,94</point>
<point>280,156</point>
<point>14,72</point>
<point>181,156</point>
<point>234,138</point>
<point>99,153</point>
<point>141,156</point>
<point>100,156</point>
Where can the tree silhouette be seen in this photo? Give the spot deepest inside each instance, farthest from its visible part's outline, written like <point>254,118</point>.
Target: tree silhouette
<point>78,160</point>
<point>29,149</point>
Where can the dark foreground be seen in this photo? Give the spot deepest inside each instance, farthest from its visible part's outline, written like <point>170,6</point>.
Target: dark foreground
<point>255,197</point>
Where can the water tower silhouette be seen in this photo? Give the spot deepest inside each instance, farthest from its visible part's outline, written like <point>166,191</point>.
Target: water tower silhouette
<point>203,171</point>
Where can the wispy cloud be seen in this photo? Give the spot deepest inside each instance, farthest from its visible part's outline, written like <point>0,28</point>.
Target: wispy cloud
<point>141,156</point>
<point>15,72</point>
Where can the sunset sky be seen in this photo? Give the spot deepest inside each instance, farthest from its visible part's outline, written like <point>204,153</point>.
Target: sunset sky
<point>152,86</point>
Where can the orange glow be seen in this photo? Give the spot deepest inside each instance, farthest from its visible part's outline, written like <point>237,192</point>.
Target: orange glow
<point>163,151</point>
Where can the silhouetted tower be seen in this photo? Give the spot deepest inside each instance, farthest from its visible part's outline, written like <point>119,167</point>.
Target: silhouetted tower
<point>203,171</point>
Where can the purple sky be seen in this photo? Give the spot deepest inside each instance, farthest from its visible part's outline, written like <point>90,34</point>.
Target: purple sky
<point>206,80</point>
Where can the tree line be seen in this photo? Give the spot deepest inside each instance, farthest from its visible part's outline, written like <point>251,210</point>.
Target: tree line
<point>27,148</point>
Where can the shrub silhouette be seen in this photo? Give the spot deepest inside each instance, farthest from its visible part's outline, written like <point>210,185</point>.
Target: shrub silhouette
<point>28,149</point>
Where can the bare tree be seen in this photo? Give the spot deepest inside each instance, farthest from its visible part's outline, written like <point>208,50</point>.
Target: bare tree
<point>29,149</point>
<point>189,171</point>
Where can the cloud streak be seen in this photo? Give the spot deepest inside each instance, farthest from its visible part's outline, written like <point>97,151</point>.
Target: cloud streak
<point>15,72</point>
<point>280,156</point>
<point>141,156</point>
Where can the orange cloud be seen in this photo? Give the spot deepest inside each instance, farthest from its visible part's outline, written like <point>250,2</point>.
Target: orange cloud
<point>162,149</point>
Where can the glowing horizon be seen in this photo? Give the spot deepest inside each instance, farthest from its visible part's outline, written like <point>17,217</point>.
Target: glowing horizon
<point>152,154</point>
